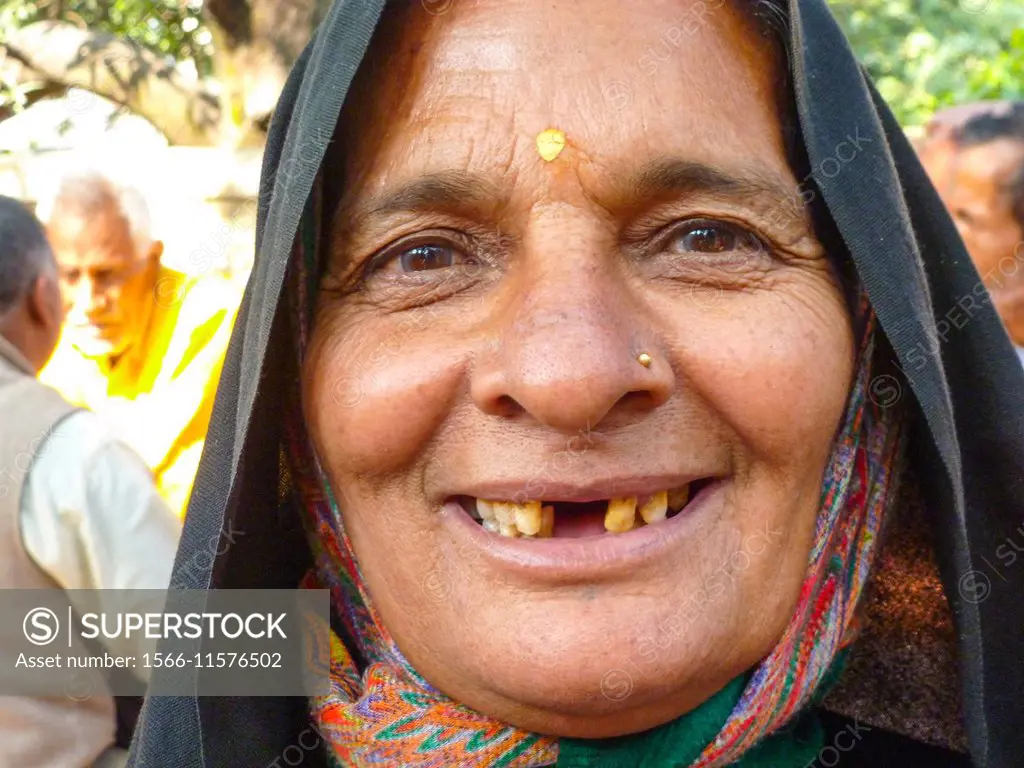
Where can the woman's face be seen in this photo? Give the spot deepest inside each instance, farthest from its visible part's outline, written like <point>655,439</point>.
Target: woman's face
<point>477,337</point>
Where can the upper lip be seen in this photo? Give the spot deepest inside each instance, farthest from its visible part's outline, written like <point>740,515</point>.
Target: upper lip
<point>534,488</point>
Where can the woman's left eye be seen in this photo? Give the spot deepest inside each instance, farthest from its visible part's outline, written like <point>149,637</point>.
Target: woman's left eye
<point>713,237</point>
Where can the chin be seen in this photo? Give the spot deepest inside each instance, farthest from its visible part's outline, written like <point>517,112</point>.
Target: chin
<point>604,670</point>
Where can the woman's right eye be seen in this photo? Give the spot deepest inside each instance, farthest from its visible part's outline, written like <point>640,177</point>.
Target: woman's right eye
<point>421,258</point>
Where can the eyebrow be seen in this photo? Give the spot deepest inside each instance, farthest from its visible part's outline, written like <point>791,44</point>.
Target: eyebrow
<point>453,191</point>
<point>464,192</point>
<point>677,177</point>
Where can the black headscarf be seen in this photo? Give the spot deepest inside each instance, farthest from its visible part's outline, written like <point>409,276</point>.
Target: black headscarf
<point>965,381</point>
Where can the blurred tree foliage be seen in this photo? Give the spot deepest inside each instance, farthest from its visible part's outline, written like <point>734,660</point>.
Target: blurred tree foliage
<point>929,54</point>
<point>202,71</point>
<point>170,27</point>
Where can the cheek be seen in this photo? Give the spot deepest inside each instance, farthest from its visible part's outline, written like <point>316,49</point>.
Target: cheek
<point>376,393</point>
<point>987,249</point>
<point>776,365</point>
<point>1010,247</point>
<point>139,289</point>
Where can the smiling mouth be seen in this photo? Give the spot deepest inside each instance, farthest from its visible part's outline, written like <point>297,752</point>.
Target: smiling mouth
<point>94,329</point>
<point>540,519</point>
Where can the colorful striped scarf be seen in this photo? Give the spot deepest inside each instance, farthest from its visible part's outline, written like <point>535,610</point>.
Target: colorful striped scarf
<point>380,711</point>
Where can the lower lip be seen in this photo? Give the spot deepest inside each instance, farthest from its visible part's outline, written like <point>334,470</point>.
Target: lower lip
<point>94,329</point>
<point>605,557</point>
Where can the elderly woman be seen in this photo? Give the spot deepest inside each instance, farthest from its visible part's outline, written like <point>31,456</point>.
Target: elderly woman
<point>586,350</point>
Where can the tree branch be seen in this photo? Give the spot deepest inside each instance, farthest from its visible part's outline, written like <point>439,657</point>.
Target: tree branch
<point>235,19</point>
<point>123,72</point>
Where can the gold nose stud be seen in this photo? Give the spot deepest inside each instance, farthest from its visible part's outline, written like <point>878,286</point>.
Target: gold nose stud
<point>644,359</point>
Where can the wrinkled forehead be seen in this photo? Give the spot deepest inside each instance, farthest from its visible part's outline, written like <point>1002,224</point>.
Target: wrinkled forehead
<point>472,88</point>
<point>991,166</point>
<point>100,237</point>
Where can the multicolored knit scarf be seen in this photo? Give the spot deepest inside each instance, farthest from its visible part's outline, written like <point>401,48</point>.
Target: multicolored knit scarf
<point>381,712</point>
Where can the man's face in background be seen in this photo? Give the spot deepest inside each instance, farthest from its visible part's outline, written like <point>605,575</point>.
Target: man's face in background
<point>979,199</point>
<point>938,153</point>
<point>974,183</point>
<point>108,286</point>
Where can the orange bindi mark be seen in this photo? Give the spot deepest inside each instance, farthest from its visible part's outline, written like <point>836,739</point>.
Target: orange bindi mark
<point>550,143</point>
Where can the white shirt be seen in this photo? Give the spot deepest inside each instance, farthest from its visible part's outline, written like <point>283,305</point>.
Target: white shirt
<point>91,517</point>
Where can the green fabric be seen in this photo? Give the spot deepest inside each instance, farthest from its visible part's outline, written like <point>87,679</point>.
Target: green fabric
<point>673,745</point>
<point>679,743</point>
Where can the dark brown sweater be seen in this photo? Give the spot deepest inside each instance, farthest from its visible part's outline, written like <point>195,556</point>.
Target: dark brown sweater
<point>902,674</point>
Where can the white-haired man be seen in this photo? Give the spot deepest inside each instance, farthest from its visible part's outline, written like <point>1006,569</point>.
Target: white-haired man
<point>143,344</point>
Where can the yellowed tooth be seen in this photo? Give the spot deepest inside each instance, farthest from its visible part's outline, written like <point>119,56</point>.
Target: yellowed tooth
<point>547,522</point>
<point>528,518</point>
<point>621,515</point>
<point>678,497</point>
<point>492,526</point>
<point>505,516</point>
<point>656,508</point>
<point>504,512</point>
<point>485,509</point>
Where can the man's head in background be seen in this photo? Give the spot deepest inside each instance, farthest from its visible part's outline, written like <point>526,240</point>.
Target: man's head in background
<point>31,311</point>
<point>109,263</point>
<point>986,187</point>
<point>977,165</point>
<point>938,147</point>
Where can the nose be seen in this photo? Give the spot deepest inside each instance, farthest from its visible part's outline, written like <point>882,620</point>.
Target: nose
<point>570,352</point>
<point>87,300</point>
